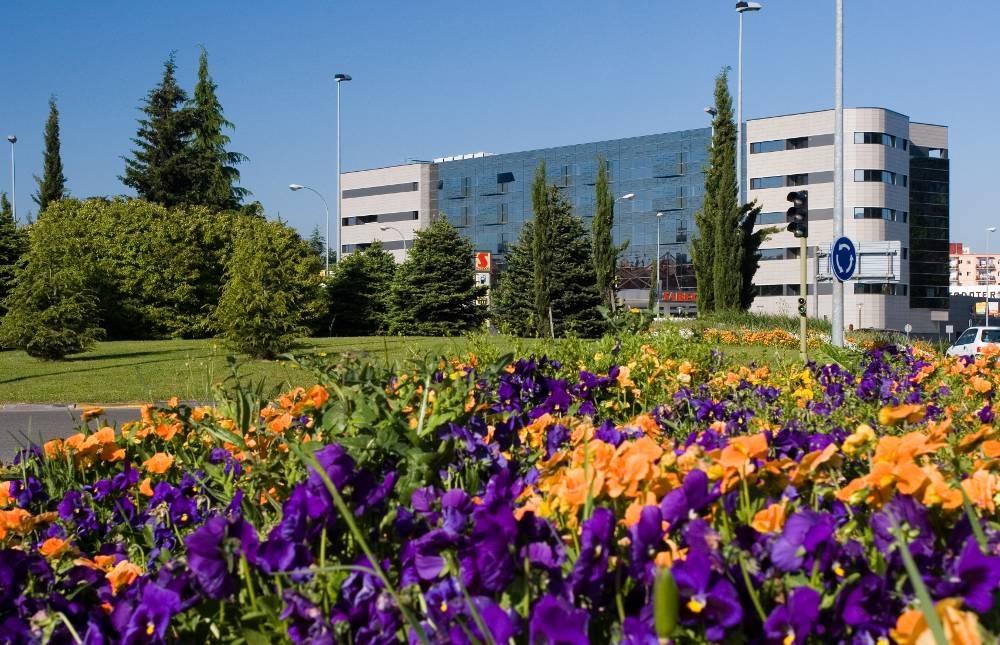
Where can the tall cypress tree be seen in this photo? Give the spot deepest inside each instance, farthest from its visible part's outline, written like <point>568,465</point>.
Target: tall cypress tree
<point>542,251</point>
<point>52,184</point>
<point>728,260</point>
<point>164,165</point>
<point>605,252</point>
<point>751,241</point>
<point>217,172</point>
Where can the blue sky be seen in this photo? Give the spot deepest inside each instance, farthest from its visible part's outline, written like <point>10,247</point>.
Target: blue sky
<point>452,76</point>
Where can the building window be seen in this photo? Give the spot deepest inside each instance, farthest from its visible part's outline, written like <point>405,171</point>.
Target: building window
<point>771,218</point>
<point>801,179</point>
<point>466,186</point>
<point>682,232</point>
<point>880,288</point>
<point>883,176</point>
<point>464,217</point>
<point>792,289</point>
<point>767,146</point>
<point>772,254</point>
<point>759,183</point>
<point>501,213</point>
<point>880,138</point>
<point>770,289</point>
<point>874,212</point>
<point>381,190</point>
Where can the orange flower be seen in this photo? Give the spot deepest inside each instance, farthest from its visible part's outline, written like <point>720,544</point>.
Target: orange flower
<point>740,450</point>
<point>5,496</point>
<point>911,413</point>
<point>981,385</point>
<point>91,413</point>
<point>123,574</point>
<point>53,547</point>
<point>145,488</point>
<point>158,463</point>
<point>770,519</point>
<point>166,431</point>
<point>53,448</point>
<point>959,626</point>
<point>991,449</point>
<point>981,488</point>
<point>15,519</point>
<point>317,395</point>
<point>99,563</point>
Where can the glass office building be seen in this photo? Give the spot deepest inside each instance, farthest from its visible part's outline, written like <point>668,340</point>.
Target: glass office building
<point>488,197</point>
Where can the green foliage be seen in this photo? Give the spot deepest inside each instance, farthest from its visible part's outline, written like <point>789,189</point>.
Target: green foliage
<point>434,291</point>
<point>272,292</point>
<point>52,310</point>
<point>541,251</point>
<point>317,242</point>
<point>605,252</point>
<point>574,298</point>
<point>217,174</point>
<point>721,202</point>
<point>359,293</point>
<point>164,167</point>
<point>752,241</point>
<point>52,184</point>
<point>13,244</point>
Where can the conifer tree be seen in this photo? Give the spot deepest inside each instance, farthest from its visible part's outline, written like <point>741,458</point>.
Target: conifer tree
<point>512,304</point>
<point>317,242</point>
<point>217,172</point>
<point>434,291</point>
<point>52,310</point>
<point>727,261</point>
<point>542,249</point>
<point>164,165</point>
<point>13,243</point>
<point>359,293</point>
<point>752,241</point>
<point>52,184</point>
<point>605,251</point>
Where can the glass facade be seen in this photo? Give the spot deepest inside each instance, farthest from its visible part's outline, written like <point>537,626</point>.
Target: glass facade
<point>489,198</point>
<point>929,213</point>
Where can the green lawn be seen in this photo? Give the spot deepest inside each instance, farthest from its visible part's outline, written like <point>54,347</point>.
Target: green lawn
<point>143,371</point>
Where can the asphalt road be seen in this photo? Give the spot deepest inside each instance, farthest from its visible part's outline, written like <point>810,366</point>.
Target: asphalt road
<point>23,424</point>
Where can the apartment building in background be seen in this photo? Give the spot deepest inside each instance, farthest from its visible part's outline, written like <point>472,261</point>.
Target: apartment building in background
<point>387,205</point>
<point>896,209</point>
<point>969,269</point>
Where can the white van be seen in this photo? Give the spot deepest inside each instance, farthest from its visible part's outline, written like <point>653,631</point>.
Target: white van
<point>972,341</point>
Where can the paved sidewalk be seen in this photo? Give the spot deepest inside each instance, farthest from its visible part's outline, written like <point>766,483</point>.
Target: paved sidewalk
<point>21,424</point>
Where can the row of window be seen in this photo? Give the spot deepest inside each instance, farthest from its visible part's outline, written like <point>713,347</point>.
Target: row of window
<point>873,212</point>
<point>388,245</point>
<point>389,189</point>
<point>883,176</point>
<point>815,141</point>
<point>881,138</point>
<point>799,179</point>
<point>860,288</point>
<point>381,218</point>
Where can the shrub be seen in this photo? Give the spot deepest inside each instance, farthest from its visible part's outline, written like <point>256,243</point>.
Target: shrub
<point>359,293</point>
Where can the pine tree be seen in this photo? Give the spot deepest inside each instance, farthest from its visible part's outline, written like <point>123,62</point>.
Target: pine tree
<point>317,242</point>
<point>52,310</point>
<point>13,243</point>
<point>512,304</point>
<point>272,291</point>
<point>217,172</point>
<point>164,165</point>
<point>359,293</point>
<point>541,254</point>
<point>605,252</point>
<point>721,181</point>
<point>434,291</point>
<point>52,184</point>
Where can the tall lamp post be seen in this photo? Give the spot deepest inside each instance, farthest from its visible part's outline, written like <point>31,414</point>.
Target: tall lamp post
<point>837,300</point>
<point>326,207</point>
<point>402,238</point>
<point>340,78</point>
<point>712,112</point>
<point>741,8</point>
<point>627,197</point>
<point>989,271</point>
<point>13,177</point>
<point>659,286</point>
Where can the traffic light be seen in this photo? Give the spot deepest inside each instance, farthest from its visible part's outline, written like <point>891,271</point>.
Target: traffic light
<point>798,215</point>
<point>802,306</point>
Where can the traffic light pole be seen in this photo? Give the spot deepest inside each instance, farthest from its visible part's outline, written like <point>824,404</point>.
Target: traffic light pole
<point>803,289</point>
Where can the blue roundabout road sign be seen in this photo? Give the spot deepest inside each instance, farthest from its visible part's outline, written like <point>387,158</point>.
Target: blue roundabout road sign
<point>843,259</point>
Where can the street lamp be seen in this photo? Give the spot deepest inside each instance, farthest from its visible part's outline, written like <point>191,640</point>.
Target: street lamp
<point>712,112</point>
<point>989,270</point>
<point>627,197</point>
<point>13,177</point>
<point>741,8</point>
<point>399,232</point>
<point>326,207</point>
<point>340,78</point>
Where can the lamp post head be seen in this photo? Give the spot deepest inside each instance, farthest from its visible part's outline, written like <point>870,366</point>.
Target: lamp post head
<point>743,7</point>
<point>12,139</point>
<point>659,214</point>
<point>628,196</point>
<point>384,228</point>
<point>341,77</point>
<point>711,111</point>
<point>295,187</point>
<point>991,229</point>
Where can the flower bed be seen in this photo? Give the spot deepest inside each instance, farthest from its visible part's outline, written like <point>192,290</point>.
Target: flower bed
<point>615,498</point>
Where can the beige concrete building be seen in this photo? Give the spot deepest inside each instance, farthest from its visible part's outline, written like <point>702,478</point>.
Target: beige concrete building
<point>387,205</point>
<point>968,269</point>
<point>895,210</point>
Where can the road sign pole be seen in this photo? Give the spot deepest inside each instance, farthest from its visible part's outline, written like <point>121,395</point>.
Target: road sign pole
<point>803,285</point>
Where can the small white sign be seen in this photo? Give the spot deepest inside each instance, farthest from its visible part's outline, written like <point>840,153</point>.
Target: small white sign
<point>907,328</point>
<point>483,279</point>
<point>949,329</point>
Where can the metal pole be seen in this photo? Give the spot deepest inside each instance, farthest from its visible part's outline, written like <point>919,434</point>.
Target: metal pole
<point>989,270</point>
<point>816,282</point>
<point>803,281</point>
<point>13,177</point>
<point>339,193</point>
<point>739,119</point>
<point>838,171</point>
<point>659,216</point>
